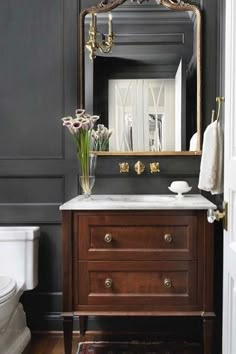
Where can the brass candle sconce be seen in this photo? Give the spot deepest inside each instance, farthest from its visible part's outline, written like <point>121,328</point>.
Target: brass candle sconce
<point>105,44</point>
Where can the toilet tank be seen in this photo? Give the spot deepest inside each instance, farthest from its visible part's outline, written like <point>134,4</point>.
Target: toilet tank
<point>19,254</point>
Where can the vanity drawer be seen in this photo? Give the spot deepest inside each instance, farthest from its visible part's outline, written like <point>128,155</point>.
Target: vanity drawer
<point>135,237</point>
<point>154,284</point>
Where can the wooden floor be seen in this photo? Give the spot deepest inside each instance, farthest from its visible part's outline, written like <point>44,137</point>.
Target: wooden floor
<point>49,344</point>
<point>53,344</point>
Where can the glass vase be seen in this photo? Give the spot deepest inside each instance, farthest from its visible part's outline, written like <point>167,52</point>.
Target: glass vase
<point>87,175</point>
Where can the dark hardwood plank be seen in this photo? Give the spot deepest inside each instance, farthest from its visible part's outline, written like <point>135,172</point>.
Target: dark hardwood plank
<point>49,344</point>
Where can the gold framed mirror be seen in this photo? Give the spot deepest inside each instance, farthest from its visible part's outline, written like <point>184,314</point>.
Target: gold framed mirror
<point>157,134</point>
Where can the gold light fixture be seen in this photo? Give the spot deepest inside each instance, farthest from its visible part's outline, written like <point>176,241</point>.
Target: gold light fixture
<point>106,42</point>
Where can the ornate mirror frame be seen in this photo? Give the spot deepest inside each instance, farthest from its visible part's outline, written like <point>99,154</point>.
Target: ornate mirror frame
<point>177,5</point>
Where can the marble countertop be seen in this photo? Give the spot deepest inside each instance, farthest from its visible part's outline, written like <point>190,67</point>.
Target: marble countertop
<point>138,202</point>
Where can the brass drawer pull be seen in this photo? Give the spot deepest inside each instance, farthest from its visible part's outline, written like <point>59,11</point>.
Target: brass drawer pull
<point>108,238</point>
<point>168,238</point>
<point>108,283</point>
<point>167,283</point>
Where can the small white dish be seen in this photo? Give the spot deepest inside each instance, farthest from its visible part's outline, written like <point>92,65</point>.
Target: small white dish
<point>180,187</point>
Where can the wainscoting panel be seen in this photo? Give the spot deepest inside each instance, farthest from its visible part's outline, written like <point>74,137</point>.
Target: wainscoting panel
<point>32,104</point>
<point>32,190</point>
<point>21,213</point>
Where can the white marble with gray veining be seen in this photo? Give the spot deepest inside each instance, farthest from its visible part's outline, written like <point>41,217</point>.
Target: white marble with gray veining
<point>138,202</point>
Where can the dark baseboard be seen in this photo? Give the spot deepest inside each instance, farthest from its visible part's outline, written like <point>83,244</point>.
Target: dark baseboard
<point>126,328</point>
<point>136,327</point>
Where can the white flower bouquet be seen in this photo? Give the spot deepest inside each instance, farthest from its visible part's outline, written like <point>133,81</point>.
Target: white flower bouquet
<point>87,139</point>
<point>101,138</point>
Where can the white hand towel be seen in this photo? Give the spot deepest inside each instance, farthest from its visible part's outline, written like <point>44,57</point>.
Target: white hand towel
<point>219,185</point>
<point>193,143</point>
<point>210,178</point>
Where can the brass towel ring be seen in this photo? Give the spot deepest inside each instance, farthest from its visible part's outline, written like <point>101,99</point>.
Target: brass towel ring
<point>219,100</point>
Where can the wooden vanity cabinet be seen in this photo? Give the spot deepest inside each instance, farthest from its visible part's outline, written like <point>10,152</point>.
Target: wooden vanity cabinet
<point>137,263</point>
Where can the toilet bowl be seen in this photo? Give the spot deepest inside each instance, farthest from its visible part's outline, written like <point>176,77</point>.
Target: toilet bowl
<point>18,273</point>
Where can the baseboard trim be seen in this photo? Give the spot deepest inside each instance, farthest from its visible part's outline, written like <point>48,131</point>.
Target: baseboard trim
<point>99,328</point>
<point>120,336</point>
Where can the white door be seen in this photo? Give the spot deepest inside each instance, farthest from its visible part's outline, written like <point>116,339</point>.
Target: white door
<point>178,107</point>
<point>229,287</point>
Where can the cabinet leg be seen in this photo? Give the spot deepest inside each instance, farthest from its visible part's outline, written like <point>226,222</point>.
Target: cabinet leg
<point>83,321</point>
<point>68,330</point>
<point>208,332</point>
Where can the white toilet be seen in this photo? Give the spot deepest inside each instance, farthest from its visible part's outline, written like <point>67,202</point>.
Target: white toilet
<point>18,272</point>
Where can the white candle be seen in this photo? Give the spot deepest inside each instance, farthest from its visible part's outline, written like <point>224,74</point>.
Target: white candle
<point>110,24</point>
<point>94,20</point>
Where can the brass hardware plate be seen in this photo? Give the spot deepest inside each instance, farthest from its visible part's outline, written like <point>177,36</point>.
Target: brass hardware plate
<point>223,215</point>
<point>225,220</point>
<point>154,167</point>
<point>124,167</point>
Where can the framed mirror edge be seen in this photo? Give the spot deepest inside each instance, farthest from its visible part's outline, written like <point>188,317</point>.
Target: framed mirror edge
<point>176,5</point>
<point>147,153</point>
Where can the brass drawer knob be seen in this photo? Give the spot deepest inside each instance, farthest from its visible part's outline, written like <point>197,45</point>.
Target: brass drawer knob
<point>108,238</point>
<point>167,283</point>
<point>108,283</point>
<point>168,238</point>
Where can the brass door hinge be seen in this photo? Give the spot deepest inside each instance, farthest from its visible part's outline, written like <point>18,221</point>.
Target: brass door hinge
<point>217,215</point>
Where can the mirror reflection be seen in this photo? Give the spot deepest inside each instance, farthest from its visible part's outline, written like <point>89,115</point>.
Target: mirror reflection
<point>142,115</point>
<point>145,88</point>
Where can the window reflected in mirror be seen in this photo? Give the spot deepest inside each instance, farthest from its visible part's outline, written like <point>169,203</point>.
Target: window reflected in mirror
<point>142,115</point>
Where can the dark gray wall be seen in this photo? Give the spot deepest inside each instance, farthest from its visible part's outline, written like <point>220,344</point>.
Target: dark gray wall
<point>38,172</point>
<point>38,167</point>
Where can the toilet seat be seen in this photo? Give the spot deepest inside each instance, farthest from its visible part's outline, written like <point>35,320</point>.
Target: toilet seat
<point>7,288</point>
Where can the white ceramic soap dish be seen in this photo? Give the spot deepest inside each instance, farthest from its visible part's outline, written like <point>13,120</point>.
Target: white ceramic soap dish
<point>180,187</point>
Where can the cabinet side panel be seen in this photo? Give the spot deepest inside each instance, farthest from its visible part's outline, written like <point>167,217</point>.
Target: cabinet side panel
<point>67,246</point>
<point>201,258</point>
